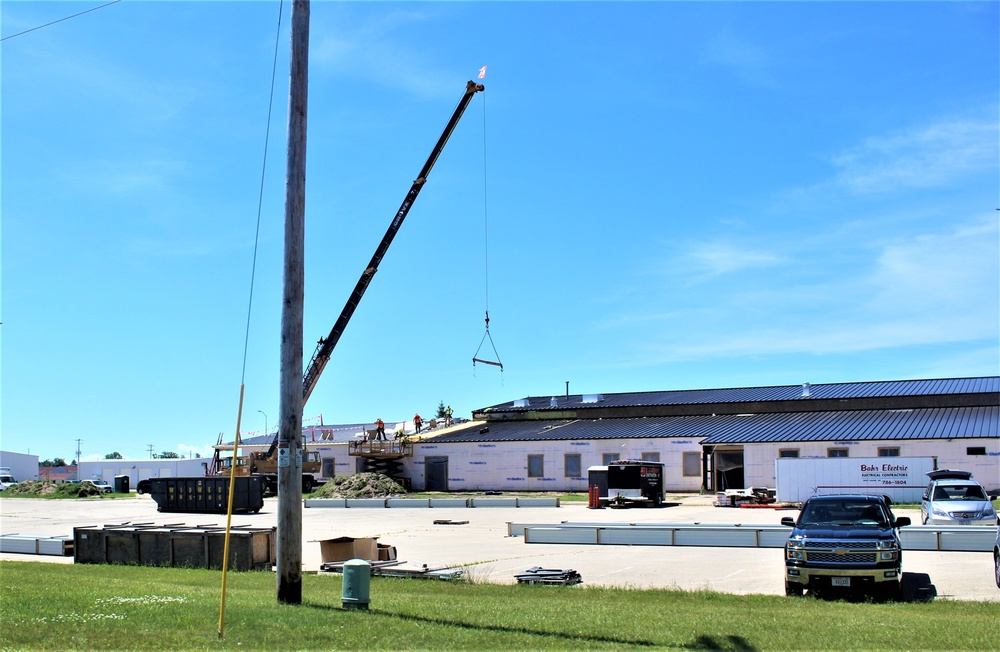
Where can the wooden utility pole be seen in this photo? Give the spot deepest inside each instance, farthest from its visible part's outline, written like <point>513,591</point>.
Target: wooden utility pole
<point>289,547</point>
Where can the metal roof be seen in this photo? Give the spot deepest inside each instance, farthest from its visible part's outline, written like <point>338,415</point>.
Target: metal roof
<point>851,425</point>
<point>874,389</point>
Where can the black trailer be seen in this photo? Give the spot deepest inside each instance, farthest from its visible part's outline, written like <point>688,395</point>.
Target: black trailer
<point>635,482</point>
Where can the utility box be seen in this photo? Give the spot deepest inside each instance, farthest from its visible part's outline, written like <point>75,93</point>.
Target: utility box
<point>121,484</point>
<point>208,494</point>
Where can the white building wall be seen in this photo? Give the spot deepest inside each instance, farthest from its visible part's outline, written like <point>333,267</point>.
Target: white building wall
<point>142,469</point>
<point>758,459</point>
<point>503,466</point>
<point>22,466</point>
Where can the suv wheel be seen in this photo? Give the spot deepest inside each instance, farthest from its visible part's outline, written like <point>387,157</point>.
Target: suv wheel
<point>794,589</point>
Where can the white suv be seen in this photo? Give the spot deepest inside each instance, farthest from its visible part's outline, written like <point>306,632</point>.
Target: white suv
<point>954,498</point>
<point>996,555</point>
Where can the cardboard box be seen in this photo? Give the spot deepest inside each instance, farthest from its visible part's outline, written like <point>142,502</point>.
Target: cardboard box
<point>386,552</point>
<point>345,548</point>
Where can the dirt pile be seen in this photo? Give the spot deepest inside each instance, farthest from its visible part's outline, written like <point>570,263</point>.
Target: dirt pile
<point>361,485</point>
<point>53,489</point>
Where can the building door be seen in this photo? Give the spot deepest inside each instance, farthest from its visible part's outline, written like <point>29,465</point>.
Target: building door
<point>727,467</point>
<point>329,467</point>
<point>435,474</point>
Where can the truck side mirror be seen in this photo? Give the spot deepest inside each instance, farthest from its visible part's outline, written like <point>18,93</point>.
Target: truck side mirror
<point>788,520</point>
<point>901,521</point>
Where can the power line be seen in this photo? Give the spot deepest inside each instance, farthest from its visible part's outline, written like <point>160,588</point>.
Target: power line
<point>60,20</point>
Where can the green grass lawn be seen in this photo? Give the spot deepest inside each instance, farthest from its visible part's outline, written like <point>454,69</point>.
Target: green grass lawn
<point>84,607</point>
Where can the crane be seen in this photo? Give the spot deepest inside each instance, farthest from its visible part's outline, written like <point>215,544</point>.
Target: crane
<point>325,346</point>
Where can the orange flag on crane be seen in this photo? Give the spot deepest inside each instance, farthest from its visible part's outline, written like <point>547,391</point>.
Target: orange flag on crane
<point>482,72</point>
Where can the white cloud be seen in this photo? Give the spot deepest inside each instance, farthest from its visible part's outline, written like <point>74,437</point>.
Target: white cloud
<point>930,288</point>
<point>920,158</point>
<point>123,177</point>
<point>372,51</point>
<point>717,258</point>
<point>747,61</point>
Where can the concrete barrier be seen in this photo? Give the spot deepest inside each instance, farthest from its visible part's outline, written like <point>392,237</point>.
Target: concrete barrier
<point>326,502</point>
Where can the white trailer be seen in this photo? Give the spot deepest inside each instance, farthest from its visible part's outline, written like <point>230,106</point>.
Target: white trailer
<point>902,479</point>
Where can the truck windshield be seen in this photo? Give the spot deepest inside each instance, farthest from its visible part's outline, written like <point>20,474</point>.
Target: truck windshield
<point>844,513</point>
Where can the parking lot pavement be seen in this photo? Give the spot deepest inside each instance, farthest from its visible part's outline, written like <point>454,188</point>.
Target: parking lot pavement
<point>485,552</point>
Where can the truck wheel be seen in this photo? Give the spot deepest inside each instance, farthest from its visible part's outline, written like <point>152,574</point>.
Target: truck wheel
<point>891,591</point>
<point>996,568</point>
<point>794,589</point>
<point>307,485</point>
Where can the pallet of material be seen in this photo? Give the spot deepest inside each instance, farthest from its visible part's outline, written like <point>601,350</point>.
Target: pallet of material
<point>552,576</point>
<point>29,544</point>
<point>396,569</point>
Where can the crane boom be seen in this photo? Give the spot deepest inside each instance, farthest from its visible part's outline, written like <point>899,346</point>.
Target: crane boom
<point>325,346</point>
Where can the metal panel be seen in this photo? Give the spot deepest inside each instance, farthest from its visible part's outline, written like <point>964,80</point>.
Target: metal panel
<point>449,502</point>
<point>857,425</point>
<point>365,502</point>
<point>716,536</point>
<point>326,502</point>
<point>20,543</point>
<point>979,540</point>
<point>550,501</point>
<point>971,538</point>
<point>56,546</point>
<point>493,502</point>
<point>638,536</point>
<point>560,535</point>
<point>407,502</point>
<point>947,386</point>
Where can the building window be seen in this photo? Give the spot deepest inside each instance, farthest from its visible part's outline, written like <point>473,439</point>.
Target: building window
<point>572,465</point>
<point>836,452</point>
<point>608,458</point>
<point>788,452</point>
<point>975,450</point>
<point>650,457</point>
<point>892,451</point>
<point>692,464</point>
<point>536,466</point>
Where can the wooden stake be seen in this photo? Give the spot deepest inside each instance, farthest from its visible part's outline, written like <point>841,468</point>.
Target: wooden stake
<point>289,548</point>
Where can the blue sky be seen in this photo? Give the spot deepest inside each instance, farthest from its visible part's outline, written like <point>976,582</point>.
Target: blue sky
<point>677,195</point>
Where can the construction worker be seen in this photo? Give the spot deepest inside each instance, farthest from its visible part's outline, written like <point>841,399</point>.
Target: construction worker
<point>417,422</point>
<point>379,429</point>
<point>447,416</point>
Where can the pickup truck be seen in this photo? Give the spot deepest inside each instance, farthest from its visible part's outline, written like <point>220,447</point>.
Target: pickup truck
<point>846,544</point>
<point>6,481</point>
